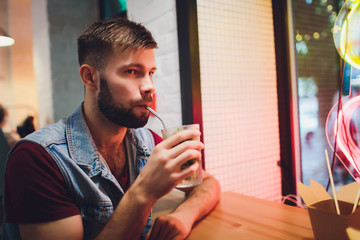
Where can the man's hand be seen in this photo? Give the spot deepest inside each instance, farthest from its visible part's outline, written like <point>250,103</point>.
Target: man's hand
<point>162,171</point>
<point>200,200</point>
<point>169,227</point>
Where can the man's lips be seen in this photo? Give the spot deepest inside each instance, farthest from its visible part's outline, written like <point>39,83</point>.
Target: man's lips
<point>143,105</point>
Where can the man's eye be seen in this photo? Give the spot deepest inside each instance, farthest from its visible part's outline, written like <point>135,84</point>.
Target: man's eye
<point>131,71</point>
<point>151,73</point>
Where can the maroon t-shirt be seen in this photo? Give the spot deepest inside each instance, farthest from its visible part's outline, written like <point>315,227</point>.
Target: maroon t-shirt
<point>35,190</point>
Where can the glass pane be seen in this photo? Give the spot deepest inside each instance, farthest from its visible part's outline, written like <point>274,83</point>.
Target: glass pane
<point>318,85</point>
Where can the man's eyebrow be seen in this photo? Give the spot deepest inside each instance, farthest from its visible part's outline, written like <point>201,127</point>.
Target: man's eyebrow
<point>137,66</point>
<point>133,65</point>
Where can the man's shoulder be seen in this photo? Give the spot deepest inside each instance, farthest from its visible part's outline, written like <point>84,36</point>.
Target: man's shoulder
<point>49,134</point>
<point>29,148</point>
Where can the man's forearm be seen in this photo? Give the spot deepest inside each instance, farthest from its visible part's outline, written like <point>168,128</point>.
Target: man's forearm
<point>129,218</point>
<point>200,200</point>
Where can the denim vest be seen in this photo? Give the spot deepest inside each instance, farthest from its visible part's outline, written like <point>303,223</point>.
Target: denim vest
<point>92,186</point>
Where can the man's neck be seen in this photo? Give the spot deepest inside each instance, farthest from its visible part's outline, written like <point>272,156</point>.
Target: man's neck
<point>105,133</point>
<point>115,159</point>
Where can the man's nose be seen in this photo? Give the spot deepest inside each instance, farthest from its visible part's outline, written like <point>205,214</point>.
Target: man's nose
<point>147,86</point>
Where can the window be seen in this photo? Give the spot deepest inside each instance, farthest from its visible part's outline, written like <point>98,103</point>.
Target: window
<point>318,78</point>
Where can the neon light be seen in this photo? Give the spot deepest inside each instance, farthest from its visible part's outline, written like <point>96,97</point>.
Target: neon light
<point>344,138</point>
<point>347,42</point>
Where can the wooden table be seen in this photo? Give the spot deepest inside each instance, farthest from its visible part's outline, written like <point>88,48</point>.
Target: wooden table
<point>242,217</point>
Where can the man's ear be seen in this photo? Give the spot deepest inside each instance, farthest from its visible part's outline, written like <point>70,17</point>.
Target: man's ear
<point>88,76</point>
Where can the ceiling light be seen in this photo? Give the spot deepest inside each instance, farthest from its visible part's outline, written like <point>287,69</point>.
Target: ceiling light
<point>5,40</point>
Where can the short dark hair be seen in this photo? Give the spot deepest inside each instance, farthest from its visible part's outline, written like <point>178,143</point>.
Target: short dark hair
<point>105,37</point>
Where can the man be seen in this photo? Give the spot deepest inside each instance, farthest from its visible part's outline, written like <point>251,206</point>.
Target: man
<point>80,178</point>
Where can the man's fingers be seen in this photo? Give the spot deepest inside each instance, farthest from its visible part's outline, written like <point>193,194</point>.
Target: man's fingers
<point>168,228</point>
<point>187,172</point>
<point>184,147</point>
<point>186,158</point>
<point>179,137</point>
<point>155,230</point>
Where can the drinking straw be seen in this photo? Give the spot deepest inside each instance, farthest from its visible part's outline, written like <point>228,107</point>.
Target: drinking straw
<point>332,183</point>
<point>158,116</point>
<point>356,201</point>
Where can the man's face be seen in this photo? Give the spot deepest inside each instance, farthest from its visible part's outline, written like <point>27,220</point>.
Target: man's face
<point>126,87</point>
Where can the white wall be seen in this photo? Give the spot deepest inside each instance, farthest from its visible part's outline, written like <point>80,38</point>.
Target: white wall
<point>41,48</point>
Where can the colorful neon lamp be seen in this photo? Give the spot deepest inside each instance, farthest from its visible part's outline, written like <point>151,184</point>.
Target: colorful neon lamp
<point>342,133</point>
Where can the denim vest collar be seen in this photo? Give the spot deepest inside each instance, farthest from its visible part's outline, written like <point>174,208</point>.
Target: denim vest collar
<point>81,146</point>
<point>84,152</point>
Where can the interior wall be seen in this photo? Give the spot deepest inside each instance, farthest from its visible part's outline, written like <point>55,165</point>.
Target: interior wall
<point>66,21</point>
<point>41,48</point>
<point>239,95</point>
<point>18,87</point>
<point>39,73</point>
<point>5,63</point>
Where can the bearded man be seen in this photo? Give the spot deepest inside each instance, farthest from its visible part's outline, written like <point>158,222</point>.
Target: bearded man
<point>97,173</point>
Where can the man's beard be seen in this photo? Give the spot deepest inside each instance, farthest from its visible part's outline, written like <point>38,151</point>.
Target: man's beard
<point>118,113</point>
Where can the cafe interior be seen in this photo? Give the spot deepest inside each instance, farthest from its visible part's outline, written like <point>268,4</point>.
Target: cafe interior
<point>274,86</point>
